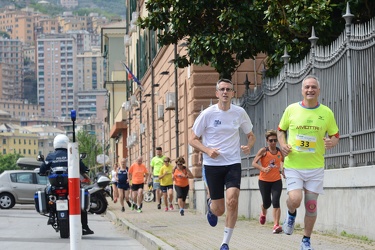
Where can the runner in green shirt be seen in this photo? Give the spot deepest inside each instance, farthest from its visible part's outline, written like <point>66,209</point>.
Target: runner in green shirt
<point>311,129</point>
<point>156,163</point>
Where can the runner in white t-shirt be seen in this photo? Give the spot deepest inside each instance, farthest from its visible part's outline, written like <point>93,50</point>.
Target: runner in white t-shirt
<point>218,127</point>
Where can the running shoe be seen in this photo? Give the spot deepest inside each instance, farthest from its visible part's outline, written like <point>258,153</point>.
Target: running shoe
<point>87,231</point>
<point>122,209</point>
<point>139,210</point>
<point>211,218</point>
<point>171,207</point>
<point>133,207</point>
<point>166,209</point>
<point>129,204</point>
<point>182,212</point>
<point>159,206</point>
<point>224,247</point>
<point>305,244</point>
<point>262,219</point>
<point>288,226</point>
<point>277,229</point>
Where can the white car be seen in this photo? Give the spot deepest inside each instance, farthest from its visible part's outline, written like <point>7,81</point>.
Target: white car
<point>19,186</point>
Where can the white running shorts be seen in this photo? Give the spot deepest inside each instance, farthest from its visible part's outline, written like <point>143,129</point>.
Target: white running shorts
<point>311,180</point>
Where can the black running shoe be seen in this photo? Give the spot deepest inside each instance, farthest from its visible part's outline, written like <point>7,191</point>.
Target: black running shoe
<point>87,231</point>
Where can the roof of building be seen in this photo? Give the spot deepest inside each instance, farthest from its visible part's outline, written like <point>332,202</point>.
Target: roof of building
<point>11,127</point>
<point>4,114</point>
<point>121,24</point>
<point>44,129</point>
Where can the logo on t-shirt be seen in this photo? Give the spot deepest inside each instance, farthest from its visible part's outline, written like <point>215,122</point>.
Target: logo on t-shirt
<point>272,164</point>
<point>217,122</point>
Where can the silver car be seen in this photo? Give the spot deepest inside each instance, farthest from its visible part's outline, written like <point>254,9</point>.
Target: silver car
<point>19,186</point>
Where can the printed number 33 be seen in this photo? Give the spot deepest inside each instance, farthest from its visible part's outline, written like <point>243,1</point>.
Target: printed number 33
<point>305,144</point>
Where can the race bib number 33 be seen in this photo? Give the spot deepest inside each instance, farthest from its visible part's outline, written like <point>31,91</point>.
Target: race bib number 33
<point>305,143</point>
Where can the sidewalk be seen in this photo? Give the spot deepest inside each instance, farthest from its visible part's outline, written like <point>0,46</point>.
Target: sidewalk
<point>157,229</point>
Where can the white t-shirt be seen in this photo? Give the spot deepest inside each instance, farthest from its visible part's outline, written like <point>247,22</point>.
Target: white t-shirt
<point>220,129</point>
<point>113,175</point>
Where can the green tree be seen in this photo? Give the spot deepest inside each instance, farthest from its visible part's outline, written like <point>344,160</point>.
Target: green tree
<point>50,9</point>
<point>224,33</point>
<point>220,33</point>
<point>9,162</point>
<point>88,144</point>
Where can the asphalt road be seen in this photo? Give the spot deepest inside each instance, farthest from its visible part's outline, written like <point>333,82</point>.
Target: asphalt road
<point>23,228</point>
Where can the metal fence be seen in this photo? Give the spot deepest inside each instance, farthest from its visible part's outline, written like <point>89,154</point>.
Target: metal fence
<point>346,73</point>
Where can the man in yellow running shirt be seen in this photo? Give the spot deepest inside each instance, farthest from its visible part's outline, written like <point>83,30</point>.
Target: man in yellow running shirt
<point>311,128</point>
<point>156,163</point>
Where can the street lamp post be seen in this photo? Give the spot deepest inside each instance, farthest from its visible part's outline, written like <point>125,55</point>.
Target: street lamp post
<point>176,98</point>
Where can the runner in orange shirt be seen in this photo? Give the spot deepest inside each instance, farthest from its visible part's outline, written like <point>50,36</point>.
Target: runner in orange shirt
<point>181,176</point>
<point>270,184</point>
<point>138,175</point>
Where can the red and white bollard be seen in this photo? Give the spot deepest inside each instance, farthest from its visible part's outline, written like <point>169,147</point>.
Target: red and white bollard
<point>75,226</point>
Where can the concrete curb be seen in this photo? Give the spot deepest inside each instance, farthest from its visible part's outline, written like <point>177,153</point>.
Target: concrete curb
<point>146,239</point>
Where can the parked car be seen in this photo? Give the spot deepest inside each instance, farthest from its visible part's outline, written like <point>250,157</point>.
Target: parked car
<point>19,186</point>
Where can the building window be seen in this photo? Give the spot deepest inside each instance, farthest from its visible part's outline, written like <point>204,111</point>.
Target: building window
<point>4,141</point>
<point>4,151</point>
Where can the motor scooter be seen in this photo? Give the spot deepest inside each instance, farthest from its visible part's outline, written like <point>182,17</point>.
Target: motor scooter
<point>98,192</point>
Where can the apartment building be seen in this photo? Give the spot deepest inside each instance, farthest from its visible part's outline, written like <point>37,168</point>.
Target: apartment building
<point>20,108</point>
<point>56,74</point>
<point>83,40</point>
<point>95,22</point>
<point>29,53</point>
<point>19,24</point>
<point>47,26</point>
<point>69,22</point>
<point>90,69</point>
<point>15,139</point>
<point>11,63</point>
<point>91,104</point>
